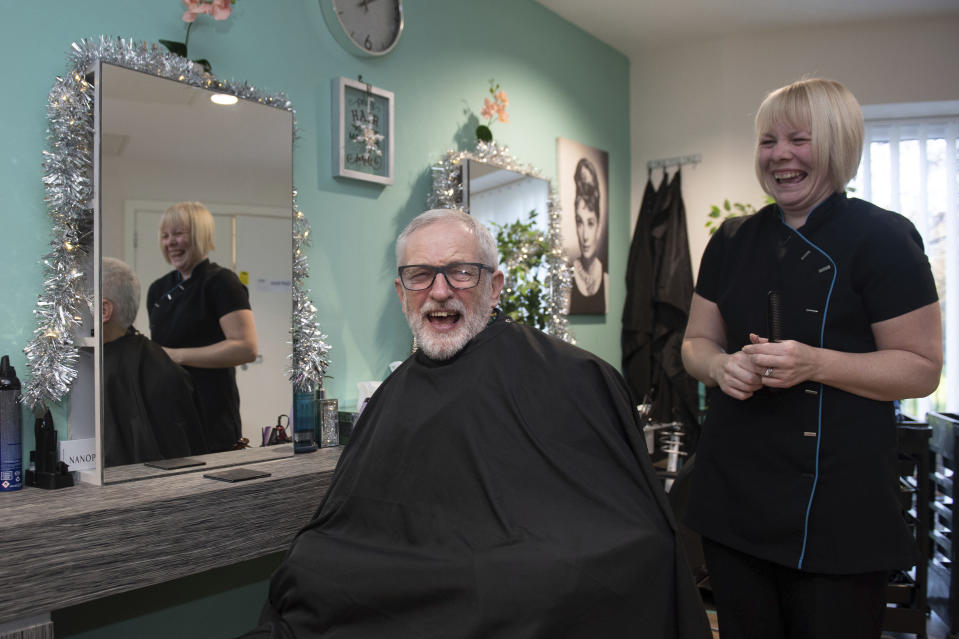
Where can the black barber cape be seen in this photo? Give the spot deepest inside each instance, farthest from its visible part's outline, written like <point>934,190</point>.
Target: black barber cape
<point>502,493</point>
<point>149,407</point>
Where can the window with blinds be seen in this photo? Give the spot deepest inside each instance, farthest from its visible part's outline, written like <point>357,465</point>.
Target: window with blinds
<point>910,164</point>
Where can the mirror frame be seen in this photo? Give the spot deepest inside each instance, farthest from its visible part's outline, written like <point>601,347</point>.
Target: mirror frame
<point>447,193</point>
<point>66,304</point>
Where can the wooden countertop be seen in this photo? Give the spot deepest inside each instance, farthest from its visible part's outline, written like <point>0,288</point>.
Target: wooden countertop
<point>64,547</point>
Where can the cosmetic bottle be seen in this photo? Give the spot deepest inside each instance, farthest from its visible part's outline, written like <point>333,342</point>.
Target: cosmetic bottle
<point>304,421</point>
<point>328,433</point>
<point>11,452</point>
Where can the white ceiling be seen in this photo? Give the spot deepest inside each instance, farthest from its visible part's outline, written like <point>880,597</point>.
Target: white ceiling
<point>633,25</point>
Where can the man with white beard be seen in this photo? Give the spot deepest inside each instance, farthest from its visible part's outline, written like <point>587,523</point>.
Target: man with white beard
<point>446,312</point>
<point>496,485</point>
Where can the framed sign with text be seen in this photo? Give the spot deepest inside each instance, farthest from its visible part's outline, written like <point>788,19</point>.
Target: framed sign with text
<point>363,134</point>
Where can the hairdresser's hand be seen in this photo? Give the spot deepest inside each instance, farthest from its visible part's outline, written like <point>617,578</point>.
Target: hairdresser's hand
<point>781,364</point>
<point>736,375</point>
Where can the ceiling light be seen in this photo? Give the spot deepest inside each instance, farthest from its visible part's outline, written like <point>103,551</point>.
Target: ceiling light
<point>223,98</point>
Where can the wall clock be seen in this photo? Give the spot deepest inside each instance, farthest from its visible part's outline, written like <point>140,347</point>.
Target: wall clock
<point>365,27</point>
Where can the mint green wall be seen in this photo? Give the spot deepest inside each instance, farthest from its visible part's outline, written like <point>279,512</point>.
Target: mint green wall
<point>561,82</point>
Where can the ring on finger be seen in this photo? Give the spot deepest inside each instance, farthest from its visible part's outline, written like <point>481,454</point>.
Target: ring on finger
<point>768,373</point>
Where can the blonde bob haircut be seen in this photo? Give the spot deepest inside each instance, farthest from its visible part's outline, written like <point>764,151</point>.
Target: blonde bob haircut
<point>834,118</point>
<point>198,219</point>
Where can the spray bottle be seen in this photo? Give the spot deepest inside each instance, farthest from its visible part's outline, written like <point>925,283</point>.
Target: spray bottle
<point>11,454</point>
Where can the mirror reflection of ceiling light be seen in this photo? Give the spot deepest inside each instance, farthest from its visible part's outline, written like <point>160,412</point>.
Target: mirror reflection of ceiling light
<point>223,98</point>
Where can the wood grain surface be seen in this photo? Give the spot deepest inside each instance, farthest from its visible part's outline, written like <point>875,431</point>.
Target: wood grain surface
<point>64,547</point>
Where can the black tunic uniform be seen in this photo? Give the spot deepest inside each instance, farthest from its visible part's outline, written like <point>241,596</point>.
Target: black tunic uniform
<point>505,492</point>
<point>186,313</point>
<point>806,477</point>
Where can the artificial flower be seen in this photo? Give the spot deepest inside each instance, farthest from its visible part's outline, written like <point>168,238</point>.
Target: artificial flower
<point>488,109</point>
<point>217,9</point>
<point>222,9</point>
<point>493,110</point>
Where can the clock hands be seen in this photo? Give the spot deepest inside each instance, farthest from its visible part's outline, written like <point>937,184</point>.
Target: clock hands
<point>366,5</point>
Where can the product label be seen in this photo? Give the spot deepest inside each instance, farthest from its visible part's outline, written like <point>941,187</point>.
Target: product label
<point>79,454</point>
<point>11,455</point>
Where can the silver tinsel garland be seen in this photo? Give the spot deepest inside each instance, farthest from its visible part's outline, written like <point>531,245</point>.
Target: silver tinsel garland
<point>68,168</point>
<point>310,355</point>
<point>447,193</point>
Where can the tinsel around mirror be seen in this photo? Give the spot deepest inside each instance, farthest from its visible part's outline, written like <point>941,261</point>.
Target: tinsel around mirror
<point>68,181</point>
<point>447,193</point>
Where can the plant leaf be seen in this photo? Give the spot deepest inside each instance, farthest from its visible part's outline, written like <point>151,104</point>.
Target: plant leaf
<point>177,48</point>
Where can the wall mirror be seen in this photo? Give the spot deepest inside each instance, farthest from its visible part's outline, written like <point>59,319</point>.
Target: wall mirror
<point>491,185</point>
<point>161,142</point>
<point>133,130</point>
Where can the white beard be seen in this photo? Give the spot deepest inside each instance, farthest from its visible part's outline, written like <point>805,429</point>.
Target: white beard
<point>442,346</point>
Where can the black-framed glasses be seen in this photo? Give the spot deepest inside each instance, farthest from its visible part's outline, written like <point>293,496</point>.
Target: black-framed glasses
<point>459,275</point>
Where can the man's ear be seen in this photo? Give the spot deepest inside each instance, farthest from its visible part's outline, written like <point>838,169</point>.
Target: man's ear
<point>107,310</point>
<point>496,281</point>
<point>399,289</point>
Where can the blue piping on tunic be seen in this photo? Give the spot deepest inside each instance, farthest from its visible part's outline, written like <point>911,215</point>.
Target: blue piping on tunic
<point>822,333</point>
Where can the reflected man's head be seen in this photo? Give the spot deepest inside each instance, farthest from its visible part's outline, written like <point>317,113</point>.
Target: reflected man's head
<point>120,290</point>
<point>447,279</point>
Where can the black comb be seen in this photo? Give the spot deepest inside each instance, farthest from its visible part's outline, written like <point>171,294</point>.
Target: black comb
<point>774,316</point>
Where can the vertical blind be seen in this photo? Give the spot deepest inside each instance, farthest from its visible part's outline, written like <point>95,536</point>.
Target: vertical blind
<point>911,165</point>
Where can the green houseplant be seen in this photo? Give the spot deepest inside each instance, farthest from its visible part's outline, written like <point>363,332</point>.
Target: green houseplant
<point>523,250</point>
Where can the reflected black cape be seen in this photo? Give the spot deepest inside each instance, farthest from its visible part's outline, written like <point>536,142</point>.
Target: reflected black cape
<point>149,406</point>
<point>502,493</point>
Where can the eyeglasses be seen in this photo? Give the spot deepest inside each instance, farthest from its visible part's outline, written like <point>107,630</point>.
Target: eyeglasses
<point>459,275</point>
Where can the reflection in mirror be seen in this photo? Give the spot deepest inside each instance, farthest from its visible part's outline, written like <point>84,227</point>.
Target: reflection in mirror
<point>491,185</point>
<point>164,142</point>
<point>494,194</point>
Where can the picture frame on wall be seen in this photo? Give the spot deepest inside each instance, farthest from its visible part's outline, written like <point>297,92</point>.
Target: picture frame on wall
<point>363,131</point>
<point>584,198</point>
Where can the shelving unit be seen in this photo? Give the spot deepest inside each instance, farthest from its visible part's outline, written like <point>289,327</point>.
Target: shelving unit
<point>908,608</point>
<point>943,591</point>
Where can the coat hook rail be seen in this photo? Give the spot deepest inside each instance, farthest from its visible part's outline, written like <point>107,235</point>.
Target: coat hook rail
<point>676,161</point>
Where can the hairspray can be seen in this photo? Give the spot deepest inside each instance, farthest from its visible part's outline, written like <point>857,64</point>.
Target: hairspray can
<point>11,455</point>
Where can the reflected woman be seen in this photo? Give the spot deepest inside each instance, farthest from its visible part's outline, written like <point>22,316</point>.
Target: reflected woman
<point>588,294</point>
<point>200,313</point>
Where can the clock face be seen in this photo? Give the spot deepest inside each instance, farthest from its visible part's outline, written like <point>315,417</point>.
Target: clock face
<point>372,26</point>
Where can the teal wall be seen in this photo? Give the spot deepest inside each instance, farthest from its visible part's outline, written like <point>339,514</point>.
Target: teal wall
<point>560,81</point>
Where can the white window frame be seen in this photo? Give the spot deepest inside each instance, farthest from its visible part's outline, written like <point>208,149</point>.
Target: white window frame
<point>922,121</point>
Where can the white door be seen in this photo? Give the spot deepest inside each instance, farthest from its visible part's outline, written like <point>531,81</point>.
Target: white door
<point>264,248</point>
<point>259,250</point>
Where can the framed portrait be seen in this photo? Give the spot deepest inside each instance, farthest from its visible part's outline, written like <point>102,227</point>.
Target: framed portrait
<point>363,132</point>
<point>583,173</point>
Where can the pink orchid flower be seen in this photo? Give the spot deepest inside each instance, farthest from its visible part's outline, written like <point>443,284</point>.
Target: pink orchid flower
<point>222,9</point>
<point>194,8</point>
<point>489,108</point>
<point>501,98</point>
<point>219,9</point>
